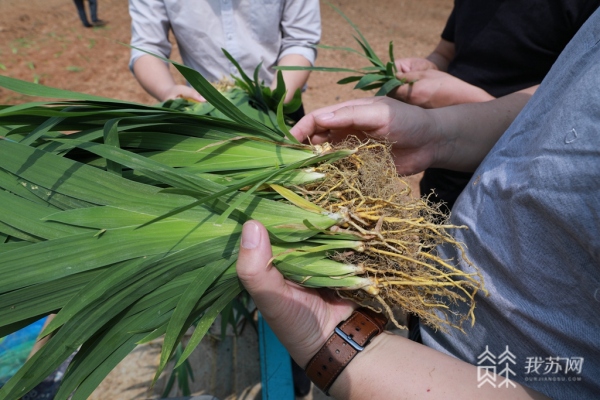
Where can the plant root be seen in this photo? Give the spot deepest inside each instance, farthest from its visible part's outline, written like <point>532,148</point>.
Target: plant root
<point>400,233</point>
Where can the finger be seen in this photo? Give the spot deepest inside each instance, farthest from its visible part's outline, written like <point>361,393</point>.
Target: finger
<point>264,282</point>
<point>308,127</point>
<point>403,65</point>
<point>402,92</point>
<point>196,96</point>
<point>304,128</point>
<point>355,118</point>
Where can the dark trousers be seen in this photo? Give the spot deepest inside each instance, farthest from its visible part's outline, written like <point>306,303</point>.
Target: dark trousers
<point>81,10</point>
<point>298,114</point>
<point>447,186</point>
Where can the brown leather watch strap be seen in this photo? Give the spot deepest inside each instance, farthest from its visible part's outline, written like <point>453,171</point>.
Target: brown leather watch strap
<point>348,339</point>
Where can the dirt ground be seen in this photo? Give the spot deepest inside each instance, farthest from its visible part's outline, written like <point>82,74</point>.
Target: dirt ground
<point>43,41</point>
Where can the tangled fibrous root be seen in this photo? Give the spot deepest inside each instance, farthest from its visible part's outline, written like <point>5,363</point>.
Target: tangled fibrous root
<point>224,84</point>
<point>400,233</point>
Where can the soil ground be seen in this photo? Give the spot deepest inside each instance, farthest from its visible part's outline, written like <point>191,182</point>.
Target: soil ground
<point>43,41</point>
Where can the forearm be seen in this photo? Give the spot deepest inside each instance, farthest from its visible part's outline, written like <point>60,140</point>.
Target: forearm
<point>154,76</point>
<point>395,367</point>
<point>293,79</point>
<point>442,54</point>
<point>467,132</point>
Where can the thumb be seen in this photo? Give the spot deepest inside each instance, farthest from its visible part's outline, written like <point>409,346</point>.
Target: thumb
<point>263,281</point>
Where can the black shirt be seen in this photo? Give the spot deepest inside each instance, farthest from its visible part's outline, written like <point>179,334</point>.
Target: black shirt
<point>503,46</point>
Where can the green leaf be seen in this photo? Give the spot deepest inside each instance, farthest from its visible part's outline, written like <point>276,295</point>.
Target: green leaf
<point>294,104</point>
<point>208,318</point>
<point>375,85</point>
<point>34,89</point>
<point>390,69</point>
<point>282,125</point>
<point>41,299</point>
<point>212,95</point>
<point>323,69</point>
<point>392,57</point>
<point>349,79</point>
<point>389,86</point>
<point>111,138</point>
<point>243,74</point>
<point>368,80</point>
<point>221,103</point>
<point>177,324</point>
<point>280,90</point>
<point>28,216</point>
<point>41,130</point>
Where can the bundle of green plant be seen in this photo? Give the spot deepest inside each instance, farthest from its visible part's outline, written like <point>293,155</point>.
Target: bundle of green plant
<point>378,75</point>
<point>128,227</point>
<point>249,95</point>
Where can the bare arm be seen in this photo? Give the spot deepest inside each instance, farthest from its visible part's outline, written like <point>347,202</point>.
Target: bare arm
<point>390,367</point>
<point>393,367</point>
<point>469,131</point>
<point>456,137</point>
<point>442,54</point>
<point>154,76</point>
<point>293,79</point>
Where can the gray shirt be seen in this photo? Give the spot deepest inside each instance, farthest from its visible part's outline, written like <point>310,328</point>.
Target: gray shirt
<point>252,31</point>
<point>533,209</point>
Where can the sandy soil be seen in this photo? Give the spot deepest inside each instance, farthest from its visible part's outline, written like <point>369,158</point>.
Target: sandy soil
<point>43,41</point>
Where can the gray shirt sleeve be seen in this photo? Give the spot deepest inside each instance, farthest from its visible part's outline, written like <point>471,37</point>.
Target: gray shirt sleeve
<point>149,29</point>
<point>301,29</point>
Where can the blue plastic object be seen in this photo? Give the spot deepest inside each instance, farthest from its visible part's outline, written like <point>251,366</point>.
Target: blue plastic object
<point>275,365</point>
<point>15,348</point>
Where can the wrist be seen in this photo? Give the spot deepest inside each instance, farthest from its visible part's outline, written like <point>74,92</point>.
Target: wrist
<point>475,94</point>
<point>444,136</point>
<point>437,61</point>
<point>346,385</point>
<point>349,339</point>
<point>165,92</point>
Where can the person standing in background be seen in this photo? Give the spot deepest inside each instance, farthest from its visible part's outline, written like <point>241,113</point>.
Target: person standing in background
<point>266,32</point>
<point>93,5</point>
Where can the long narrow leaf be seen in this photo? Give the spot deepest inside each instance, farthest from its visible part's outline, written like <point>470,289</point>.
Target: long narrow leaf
<point>205,277</point>
<point>207,320</point>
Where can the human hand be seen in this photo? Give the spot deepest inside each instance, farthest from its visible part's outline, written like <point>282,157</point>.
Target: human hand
<point>301,318</point>
<point>433,89</point>
<point>412,132</point>
<point>182,91</point>
<point>414,64</point>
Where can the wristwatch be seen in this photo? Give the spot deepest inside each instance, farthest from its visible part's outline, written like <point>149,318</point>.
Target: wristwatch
<point>347,340</point>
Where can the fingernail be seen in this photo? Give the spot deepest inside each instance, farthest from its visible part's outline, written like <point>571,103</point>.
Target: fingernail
<point>324,117</point>
<point>250,235</point>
